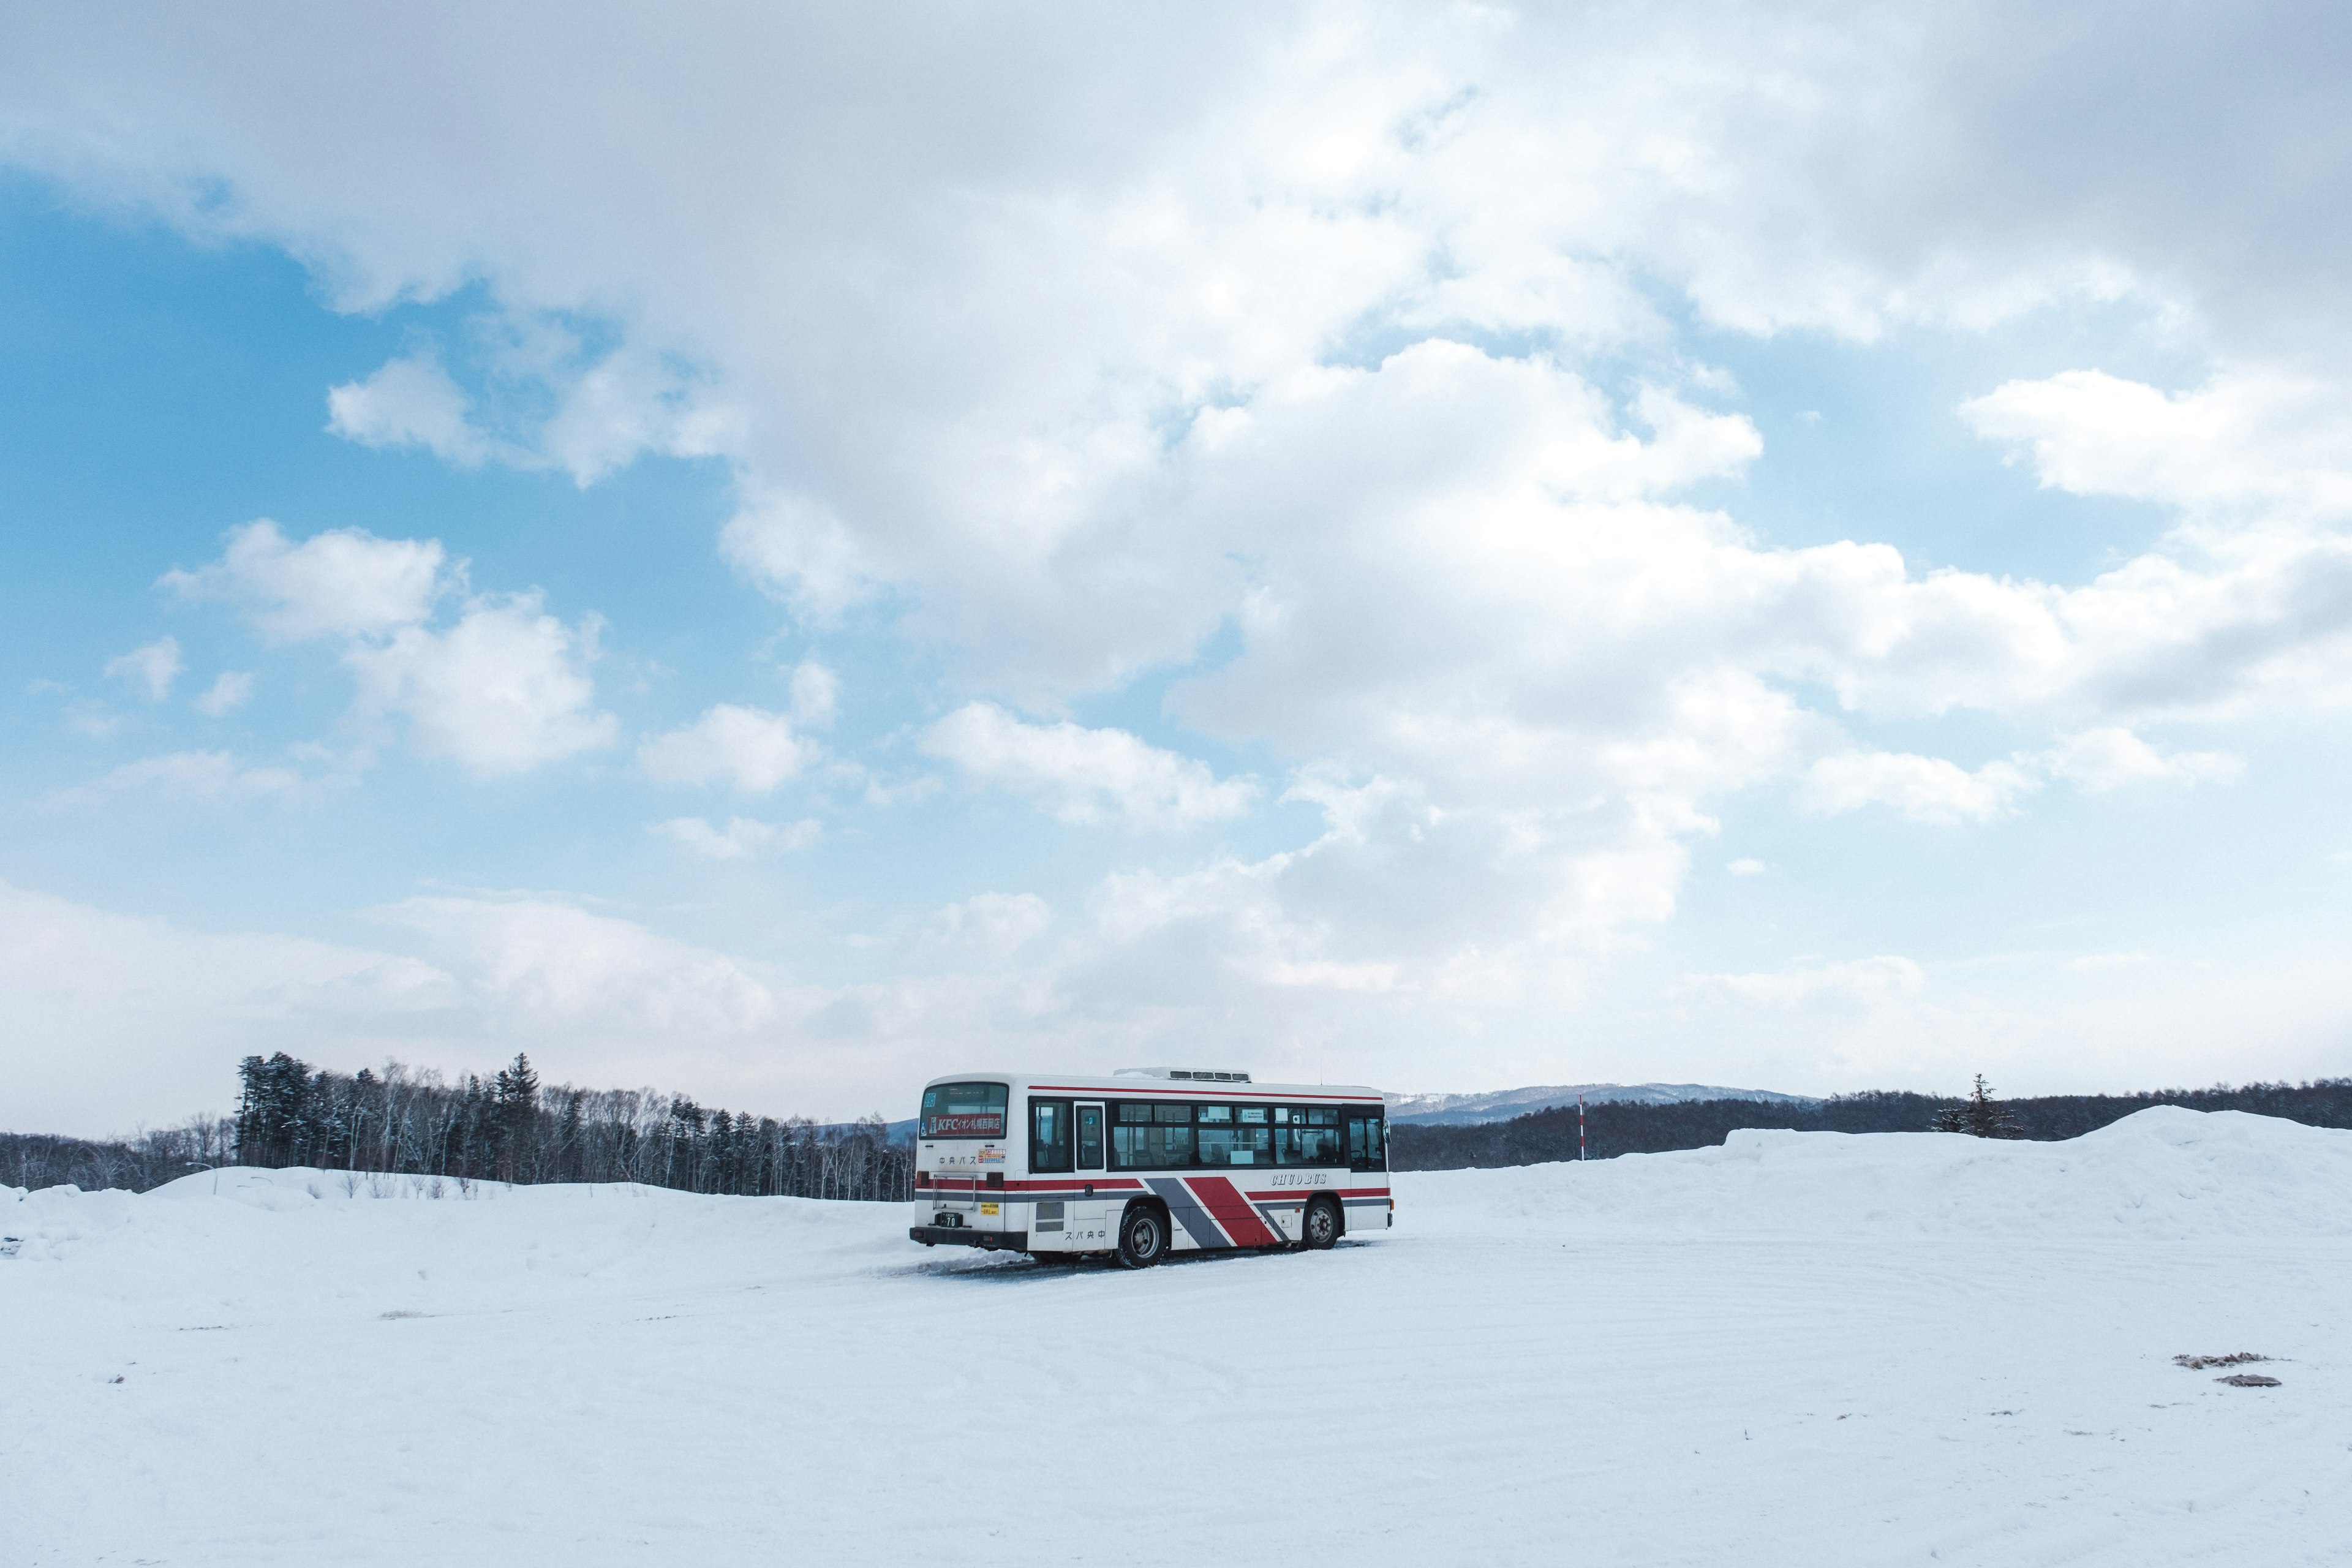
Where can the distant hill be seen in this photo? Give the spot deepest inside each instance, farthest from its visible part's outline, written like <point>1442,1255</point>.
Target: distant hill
<point>1502,1104</point>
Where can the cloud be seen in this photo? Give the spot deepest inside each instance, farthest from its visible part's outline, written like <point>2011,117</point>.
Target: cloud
<point>798,549</point>
<point>1302,338</point>
<point>751,750</point>
<point>230,691</point>
<point>742,838</point>
<point>197,775</point>
<point>2274,440</point>
<point>987,928</point>
<point>1864,982</point>
<point>2098,761</point>
<point>152,668</point>
<point>409,402</point>
<point>817,695</point>
<point>1927,789</point>
<point>503,690</point>
<point>539,967</point>
<point>1744,867</point>
<point>115,1020</point>
<point>343,582</point>
<point>1088,775</point>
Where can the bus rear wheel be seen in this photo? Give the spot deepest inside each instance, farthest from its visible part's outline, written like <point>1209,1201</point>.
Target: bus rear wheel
<point>1322,1227</point>
<point>1142,1237</point>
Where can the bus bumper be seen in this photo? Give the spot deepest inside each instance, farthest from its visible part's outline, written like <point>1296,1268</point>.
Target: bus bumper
<point>965,1235</point>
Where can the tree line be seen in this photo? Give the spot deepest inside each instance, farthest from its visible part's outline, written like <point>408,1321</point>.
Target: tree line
<point>508,1127</point>
<point>1620,1128</point>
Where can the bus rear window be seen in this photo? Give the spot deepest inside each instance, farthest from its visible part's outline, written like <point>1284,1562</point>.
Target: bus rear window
<point>963,1110</point>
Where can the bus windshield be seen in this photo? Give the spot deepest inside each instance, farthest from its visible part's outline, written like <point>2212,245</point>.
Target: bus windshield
<point>963,1110</point>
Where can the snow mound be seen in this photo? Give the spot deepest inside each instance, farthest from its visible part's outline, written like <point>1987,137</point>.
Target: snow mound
<point>558,1230</point>
<point>299,1187</point>
<point>2162,1172</point>
<point>1793,1349</point>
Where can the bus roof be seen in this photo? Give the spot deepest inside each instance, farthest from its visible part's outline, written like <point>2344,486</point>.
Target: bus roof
<point>1151,1086</point>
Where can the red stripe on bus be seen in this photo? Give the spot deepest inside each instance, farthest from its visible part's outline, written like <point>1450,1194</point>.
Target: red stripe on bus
<point>1073,1183</point>
<point>1225,1206</point>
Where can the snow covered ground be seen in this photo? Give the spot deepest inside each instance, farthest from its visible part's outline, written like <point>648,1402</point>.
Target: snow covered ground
<point>1800,1348</point>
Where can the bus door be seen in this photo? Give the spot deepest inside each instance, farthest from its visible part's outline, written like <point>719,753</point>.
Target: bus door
<point>1365,1143</point>
<point>1092,1217</point>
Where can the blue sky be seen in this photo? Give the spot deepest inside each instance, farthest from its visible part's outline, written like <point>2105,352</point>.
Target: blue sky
<point>1393,547</point>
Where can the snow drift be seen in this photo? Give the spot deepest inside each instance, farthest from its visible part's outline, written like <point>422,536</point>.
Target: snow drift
<point>1797,1348</point>
<point>2162,1172</point>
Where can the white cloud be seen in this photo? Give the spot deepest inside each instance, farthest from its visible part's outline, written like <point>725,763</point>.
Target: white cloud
<point>503,688</point>
<point>502,692</point>
<point>2279,441</point>
<point>409,402</point>
<point>538,966</point>
<point>1094,353</point>
<point>801,552</point>
<point>817,695</point>
<point>1139,407</point>
<point>628,404</point>
<point>341,583</point>
<point>1864,982</point>
<point>98,723</point>
<point>230,691</point>
<point>742,838</point>
<point>115,1020</point>
<point>1088,775</point>
<point>152,668</point>
<point>1927,789</point>
<point>200,776</point>
<point>988,928</point>
<point>1745,866</point>
<point>748,749</point>
<point>2097,761</point>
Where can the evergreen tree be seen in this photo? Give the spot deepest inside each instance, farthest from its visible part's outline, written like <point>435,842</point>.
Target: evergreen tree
<point>1977,1116</point>
<point>516,1103</point>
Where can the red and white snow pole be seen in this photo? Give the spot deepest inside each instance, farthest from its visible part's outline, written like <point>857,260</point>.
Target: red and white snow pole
<point>1579,1127</point>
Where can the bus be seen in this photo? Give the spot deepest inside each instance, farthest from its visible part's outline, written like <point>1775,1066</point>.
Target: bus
<point>1146,1162</point>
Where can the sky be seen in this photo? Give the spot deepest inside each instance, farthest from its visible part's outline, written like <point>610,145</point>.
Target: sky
<point>773,555</point>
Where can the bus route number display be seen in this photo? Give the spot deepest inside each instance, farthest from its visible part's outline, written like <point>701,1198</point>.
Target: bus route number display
<point>967,1124</point>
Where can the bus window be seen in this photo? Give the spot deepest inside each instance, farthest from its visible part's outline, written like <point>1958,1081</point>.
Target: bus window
<point>1090,1138</point>
<point>1311,1136</point>
<point>1152,1138</point>
<point>1049,1135</point>
<point>1225,1137</point>
<point>963,1110</point>
<point>1365,1141</point>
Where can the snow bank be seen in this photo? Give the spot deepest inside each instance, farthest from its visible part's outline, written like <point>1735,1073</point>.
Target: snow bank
<point>1793,1349</point>
<point>2163,1172</point>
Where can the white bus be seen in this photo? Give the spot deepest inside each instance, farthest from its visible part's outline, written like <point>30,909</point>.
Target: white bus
<point>1146,1162</point>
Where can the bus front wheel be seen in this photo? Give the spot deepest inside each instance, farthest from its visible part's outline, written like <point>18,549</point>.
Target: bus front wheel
<point>1142,1237</point>
<point>1322,1227</point>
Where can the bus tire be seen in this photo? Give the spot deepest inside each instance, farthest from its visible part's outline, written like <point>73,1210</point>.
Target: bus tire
<point>1322,1225</point>
<point>1143,1236</point>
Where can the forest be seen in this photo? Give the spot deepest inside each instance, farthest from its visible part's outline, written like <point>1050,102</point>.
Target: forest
<point>509,1127</point>
<point>1629,1128</point>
